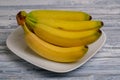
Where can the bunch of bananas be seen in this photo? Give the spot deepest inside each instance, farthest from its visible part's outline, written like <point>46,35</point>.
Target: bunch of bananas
<point>58,35</point>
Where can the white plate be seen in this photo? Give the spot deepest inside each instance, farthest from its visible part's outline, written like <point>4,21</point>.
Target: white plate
<point>16,44</point>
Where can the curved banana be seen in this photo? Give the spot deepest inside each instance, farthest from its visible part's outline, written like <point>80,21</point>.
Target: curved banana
<point>64,38</point>
<point>68,25</point>
<point>58,14</point>
<point>57,35</point>
<point>65,42</point>
<point>42,28</point>
<point>52,52</point>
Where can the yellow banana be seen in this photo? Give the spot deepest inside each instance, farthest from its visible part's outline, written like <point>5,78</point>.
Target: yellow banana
<point>52,52</point>
<point>59,36</point>
<point>68,25</point>
<point>65,38</point>
<point>58,14</point>
<point>42,28</point>
<point>65,42</point>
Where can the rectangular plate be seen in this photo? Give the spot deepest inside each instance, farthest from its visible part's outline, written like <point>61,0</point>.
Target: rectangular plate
<point>17,45</point>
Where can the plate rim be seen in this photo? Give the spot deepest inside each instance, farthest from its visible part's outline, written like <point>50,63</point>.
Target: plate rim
<point>59,71</point>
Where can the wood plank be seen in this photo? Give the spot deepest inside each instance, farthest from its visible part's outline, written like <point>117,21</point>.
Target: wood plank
<point>28,2</point>
<point>23,68</point>
<point>6,55</point>
<point>11,11</point>
<point>59,2</point>
<point>43,77</point>
<point>107,77</point>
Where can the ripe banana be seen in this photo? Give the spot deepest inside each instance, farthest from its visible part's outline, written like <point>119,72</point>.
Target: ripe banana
<point>68,25</point>
<point>64,38</point>
<point>50,51</point>
<point>65,24</point>
<point>58,14</point>
<point>60,36</point>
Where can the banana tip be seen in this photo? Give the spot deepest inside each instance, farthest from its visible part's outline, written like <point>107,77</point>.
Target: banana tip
<point>90,17</point>
<point>102,23</point>
<point>86,46</point>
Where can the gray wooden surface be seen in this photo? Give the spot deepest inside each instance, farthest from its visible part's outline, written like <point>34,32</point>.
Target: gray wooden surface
<point>105,65</point>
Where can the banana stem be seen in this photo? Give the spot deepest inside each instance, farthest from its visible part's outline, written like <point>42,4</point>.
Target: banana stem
<point>21,20</point>
<point>21,17</point>
<point>31,24</point>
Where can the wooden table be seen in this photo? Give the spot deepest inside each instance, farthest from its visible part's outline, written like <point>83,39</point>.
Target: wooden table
<point>105,65</point>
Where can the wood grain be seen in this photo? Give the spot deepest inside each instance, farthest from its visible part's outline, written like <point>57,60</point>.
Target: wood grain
<point>105,65</point>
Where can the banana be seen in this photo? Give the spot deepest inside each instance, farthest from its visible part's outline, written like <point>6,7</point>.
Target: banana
<point>68,25</point>
<point>58,14</point>
<point>60,36</point>
<point>64,38</point>
<point>65,42</point>
<point>50,51</point>
<point>72,25</point>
